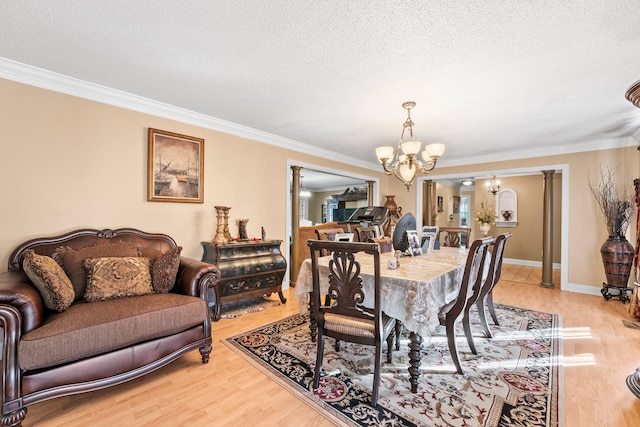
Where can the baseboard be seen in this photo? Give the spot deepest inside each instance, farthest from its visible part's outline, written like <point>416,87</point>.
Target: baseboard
<point>583,289</point>
<point>529,263</point>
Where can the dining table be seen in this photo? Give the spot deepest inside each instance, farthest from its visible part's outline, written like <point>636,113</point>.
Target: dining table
<point>412,292</point>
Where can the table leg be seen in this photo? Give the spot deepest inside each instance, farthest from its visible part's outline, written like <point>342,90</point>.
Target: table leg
<point>415,345</point>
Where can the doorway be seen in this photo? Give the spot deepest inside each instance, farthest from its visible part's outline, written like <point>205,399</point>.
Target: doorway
<point>563,169</point>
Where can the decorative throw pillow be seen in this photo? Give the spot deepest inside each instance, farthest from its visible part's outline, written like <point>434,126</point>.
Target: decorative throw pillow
<point>116,277</point>
<point>165,269</point>
<point>54,286</point>
<point>72,260</point>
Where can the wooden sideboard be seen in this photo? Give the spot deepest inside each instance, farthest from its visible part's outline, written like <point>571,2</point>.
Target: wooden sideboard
<point>248,269</point>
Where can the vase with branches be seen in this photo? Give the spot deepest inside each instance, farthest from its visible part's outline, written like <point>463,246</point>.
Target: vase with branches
<point>617,253</point>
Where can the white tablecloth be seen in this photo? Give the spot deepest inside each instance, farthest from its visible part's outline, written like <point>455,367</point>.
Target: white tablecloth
<point>413,293</point>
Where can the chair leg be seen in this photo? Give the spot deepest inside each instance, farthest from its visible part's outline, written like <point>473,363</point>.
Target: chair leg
<point>483,319</point>
<point>398,329</point>
<point>319,357</point>
<point>451,340</point>
<point>390,339</point>
<point>492,309</point>
<point>466,325</point>
<point>376,375</point>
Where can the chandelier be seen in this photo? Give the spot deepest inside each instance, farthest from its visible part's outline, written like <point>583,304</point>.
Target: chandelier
<point>405,166</point>
<point>304,193</point>
<point>493,186</point>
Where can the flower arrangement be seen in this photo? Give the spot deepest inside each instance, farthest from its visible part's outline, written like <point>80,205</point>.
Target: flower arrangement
<point>486,215</point>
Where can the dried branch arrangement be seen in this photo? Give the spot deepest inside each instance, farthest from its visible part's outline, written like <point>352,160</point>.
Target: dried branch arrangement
<point>616,208</point>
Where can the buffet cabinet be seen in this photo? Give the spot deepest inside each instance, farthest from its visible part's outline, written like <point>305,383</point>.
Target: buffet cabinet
<point>247,270</point>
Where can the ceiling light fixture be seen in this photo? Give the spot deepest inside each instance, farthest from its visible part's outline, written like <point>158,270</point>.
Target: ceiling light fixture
<point>406,165</point>
<point>304,193</point>
<point>467,182</point>
<point>493,186</point>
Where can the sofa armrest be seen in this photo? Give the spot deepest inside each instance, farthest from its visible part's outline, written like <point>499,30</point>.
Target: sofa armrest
<point>17,291</point>
<point>195,277</point>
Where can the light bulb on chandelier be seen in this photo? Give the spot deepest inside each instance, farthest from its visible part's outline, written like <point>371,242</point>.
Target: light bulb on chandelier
<point>407,165</point>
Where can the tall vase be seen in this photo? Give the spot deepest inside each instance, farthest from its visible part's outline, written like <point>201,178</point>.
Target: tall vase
<point>485,227</point>
<point>617,257</point>
<point>392,214</point>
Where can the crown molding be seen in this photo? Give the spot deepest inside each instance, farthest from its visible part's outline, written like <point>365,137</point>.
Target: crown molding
<point>602,144</point>
<point>45,79</point>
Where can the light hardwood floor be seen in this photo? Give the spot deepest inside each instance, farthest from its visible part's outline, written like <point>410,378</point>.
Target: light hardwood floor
<point>599,353</point>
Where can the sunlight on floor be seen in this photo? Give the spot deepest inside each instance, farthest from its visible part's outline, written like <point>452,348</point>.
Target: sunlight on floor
<point>582,332</point>
<point>578,360</point>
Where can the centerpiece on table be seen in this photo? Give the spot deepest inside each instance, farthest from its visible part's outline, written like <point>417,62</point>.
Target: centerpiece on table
<point>486,217</point>
<point>617,253</point>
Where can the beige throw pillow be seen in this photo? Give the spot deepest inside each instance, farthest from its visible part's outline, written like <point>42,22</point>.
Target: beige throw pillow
<point>55,287</point>
<point>116,277</point>
<point>72,260</point>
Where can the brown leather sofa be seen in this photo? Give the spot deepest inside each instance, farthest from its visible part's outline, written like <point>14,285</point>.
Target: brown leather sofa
<point>93,345</point>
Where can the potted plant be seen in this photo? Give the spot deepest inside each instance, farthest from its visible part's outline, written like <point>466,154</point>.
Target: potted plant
<point>486,217</point>
<point>617,253</point>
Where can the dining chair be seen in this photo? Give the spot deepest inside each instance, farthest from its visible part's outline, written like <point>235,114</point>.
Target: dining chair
<point>454,237</point>
<point>328,234</point>
<point>485,298</point>
<point>366,233</point>
<point>347,319</point>
<point>458,309</point>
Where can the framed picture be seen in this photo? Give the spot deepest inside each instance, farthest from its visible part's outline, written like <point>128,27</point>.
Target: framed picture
<point>428,238</point>
<point>175,168</point>
<point>415,247</point>
<point>440,204</point>
<point>456,204</point>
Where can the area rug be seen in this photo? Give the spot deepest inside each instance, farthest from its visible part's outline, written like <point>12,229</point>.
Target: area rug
<point>515,380</point>
<point>232,310</point>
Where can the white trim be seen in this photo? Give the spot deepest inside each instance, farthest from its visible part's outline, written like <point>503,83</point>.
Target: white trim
<point>583,289</point>
<point>529,263</point>
<point>39,77</point>
<point>560,149</point>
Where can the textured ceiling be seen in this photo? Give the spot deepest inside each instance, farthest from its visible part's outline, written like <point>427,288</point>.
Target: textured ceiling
<point>491,80</point>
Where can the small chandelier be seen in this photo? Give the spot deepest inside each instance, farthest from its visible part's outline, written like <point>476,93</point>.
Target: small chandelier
<point>493,186</point>
<point>304,193</point>
<point>406,165</point>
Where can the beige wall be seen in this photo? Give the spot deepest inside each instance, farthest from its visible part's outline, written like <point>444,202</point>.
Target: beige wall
<point>78,163</point>
<point>71,163</point>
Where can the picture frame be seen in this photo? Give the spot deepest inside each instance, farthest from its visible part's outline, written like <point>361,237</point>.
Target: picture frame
<point>456,204</point>
<point>415,247</point>
<point>175,167</point>
<point>440,204</point>
<point>428,238</point>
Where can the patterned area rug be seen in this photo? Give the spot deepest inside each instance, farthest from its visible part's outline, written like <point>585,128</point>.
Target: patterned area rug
<point>515,380</point>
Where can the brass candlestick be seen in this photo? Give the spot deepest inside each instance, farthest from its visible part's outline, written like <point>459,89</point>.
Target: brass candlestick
<point>219,237</point>
<point>227,234</point>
